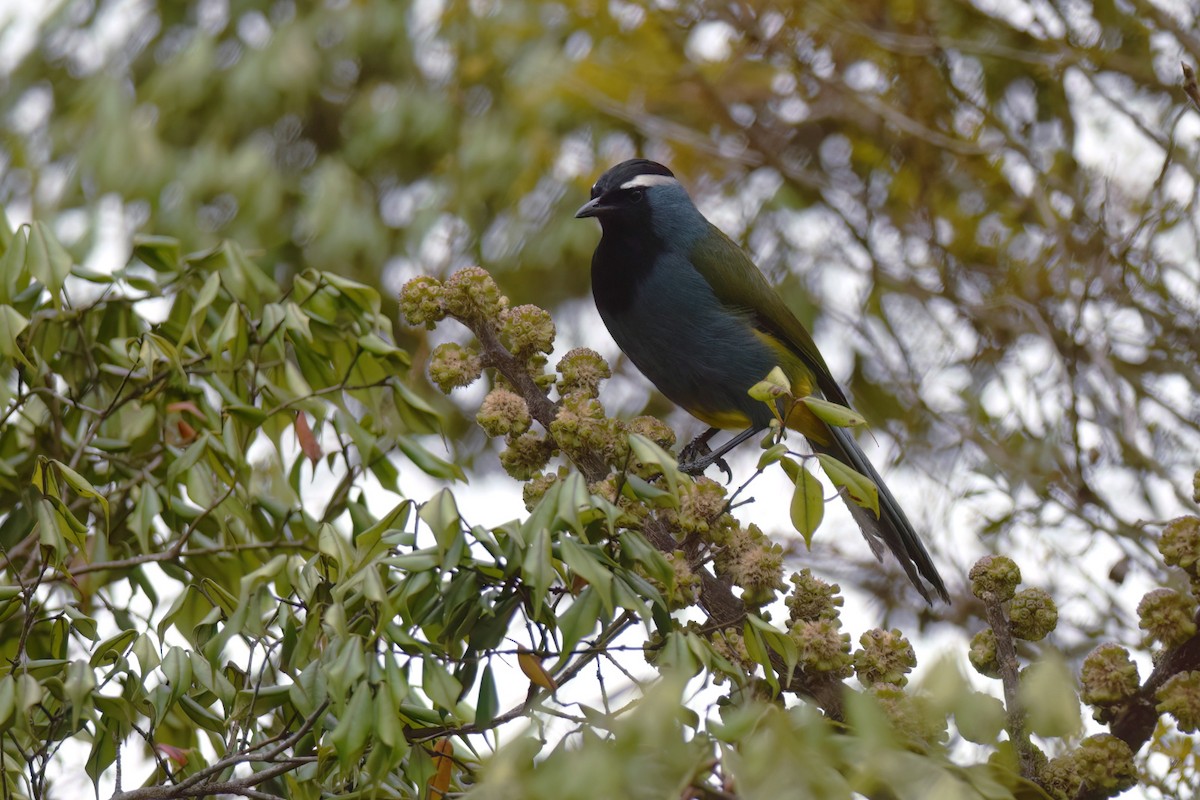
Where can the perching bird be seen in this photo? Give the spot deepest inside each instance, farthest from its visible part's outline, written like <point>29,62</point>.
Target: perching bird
<point>698,318</point>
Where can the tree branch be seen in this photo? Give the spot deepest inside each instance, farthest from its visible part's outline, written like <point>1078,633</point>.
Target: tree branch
<point>1006,656</point>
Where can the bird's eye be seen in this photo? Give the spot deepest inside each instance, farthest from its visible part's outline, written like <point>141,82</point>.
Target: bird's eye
<point>636,195</point>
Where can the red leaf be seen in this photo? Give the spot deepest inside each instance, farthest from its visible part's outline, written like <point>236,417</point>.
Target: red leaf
<point>439,784</point>
<point>186,432</point>
<point>185,405</point>
<point>308,442</point>
<point>176,754</point>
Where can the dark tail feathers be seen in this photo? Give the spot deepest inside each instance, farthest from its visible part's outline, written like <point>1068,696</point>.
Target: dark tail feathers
<point>892,528</point>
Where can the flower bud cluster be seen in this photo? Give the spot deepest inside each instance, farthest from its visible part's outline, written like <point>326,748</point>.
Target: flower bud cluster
<point>995,575</point>
<point>1180,697</point>
<point>702,511</point>
<point>812,598</point>
<point>422,302</point>
<point>1032,614</point>
<point>526,455</point>
<point>471,295</point>
<point>581,371</point>
<point>1180,546</point>
<point>1108,678</point>
<point>983,654</point>
<point>685,590</point>
<point>582,427</point>
<point>503,412</point>
<point>453,365</point>
<point>527,330</point>
<point>1103,764</point>
<point>1167,616</point>
<point>886,657</point>
<point>815,625</point>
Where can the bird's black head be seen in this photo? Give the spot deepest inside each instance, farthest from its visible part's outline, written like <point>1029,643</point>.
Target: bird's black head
<point>621,192</point>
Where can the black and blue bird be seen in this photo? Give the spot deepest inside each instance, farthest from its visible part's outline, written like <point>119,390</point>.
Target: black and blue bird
<point>699,319</point>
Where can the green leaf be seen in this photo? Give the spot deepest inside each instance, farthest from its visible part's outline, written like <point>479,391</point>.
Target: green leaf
<point>48,261</point>
<point>1047,693</point>
<point>648,452</point>
<point>12,324</point>
<point>440,513</point>
<point>427,462</point>
<point>579,620</point>
<point>833,413</point>
<point>441,687</point>
<point>861,489</point>
<point>808,505</point>
<point>592,565</point>
<point>14,274</point>
<point>772,454</point>
<point>979,717</point>
<point>536,566</point>
<point>82,487</point>
<point>350,736</point>
<point>487,704</point>
<point>113,648</point>
<point>159,253</point>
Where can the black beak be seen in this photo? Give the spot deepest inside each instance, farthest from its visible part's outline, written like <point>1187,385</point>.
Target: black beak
<point>591,208</point>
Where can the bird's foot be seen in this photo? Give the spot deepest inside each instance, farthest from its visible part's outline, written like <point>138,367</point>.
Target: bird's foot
<point>697,456</point>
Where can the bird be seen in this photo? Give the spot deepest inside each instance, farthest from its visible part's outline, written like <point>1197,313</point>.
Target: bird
<point>697,317</point>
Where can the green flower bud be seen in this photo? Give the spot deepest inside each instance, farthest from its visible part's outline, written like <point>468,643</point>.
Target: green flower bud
<point>526,330</point>
<point>983,653</point>
<point>812,599</point>
<point>582,370</point>
<point>822,646</point>
<point>686,589</point>
<point>535,489</point>
<point>422,303</point>
<point>1105,764</point>
<point>581,425</point>
<point>885,657</point>
<point>1180,697</point>
<point>471,294</point>
<point>998,575</point>
<point>653,429</point>
<point>526,455</point>
<point>701,506</point>
<point>911,715</point>
<point>503,412</point>
<point>759,572</point>
<point>1180,544</point>
<point>1167,616</point>
<point>452,365</point>
<point>1032,614</point>
<point>1060,777</point>
<point>1108,677</point>
<point>730,644</point>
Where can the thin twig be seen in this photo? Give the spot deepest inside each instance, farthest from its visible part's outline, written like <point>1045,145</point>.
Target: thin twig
<point>1006,656</point>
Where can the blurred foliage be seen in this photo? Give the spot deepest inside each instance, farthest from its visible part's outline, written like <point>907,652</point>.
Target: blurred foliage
<point>992,197</point>
<point>993,205</point>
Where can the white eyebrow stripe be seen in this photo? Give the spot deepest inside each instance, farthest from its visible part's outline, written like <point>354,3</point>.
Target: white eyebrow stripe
<point>645,181</point>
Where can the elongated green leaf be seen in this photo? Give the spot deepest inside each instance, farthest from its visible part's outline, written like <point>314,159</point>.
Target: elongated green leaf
<point>861,489</point>
<point>808,505</point>
<point>591,565</point>
<point>833,413</point>
<point>487,704</point>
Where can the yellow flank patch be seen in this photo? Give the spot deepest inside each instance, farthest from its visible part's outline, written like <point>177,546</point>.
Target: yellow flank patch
<point>801,419</point>
<point>791,364</point>
<point>726,420</point>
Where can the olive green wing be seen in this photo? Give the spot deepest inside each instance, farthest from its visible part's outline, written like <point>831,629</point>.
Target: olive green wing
<point>739,284</point>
